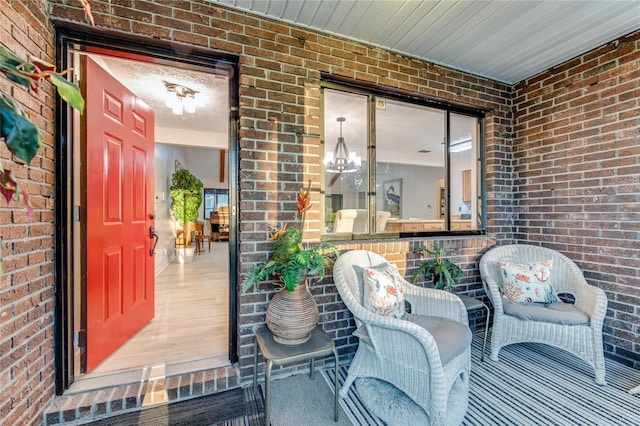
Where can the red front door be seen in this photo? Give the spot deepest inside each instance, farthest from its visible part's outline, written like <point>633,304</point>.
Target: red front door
<point>119,177</point>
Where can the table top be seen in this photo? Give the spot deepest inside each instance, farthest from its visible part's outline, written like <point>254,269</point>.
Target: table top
<point>318,345</point>
<point>470,303</point>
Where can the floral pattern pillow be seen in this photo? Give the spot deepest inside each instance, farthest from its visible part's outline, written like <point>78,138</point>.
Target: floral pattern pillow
<point>383,290</point>
<point>528,282</point>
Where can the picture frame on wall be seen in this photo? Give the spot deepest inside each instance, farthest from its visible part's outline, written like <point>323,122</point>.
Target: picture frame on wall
<point>392,196</point>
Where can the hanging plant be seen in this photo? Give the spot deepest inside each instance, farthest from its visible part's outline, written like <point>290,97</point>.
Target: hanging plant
<point>19,133</point>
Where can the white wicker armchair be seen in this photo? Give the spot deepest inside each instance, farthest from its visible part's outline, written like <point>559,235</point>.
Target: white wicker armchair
<point>584,341</point>
<point>401,352</point>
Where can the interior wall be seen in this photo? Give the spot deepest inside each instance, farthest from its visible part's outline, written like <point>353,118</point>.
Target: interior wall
<point>418,182</point>
<point>166,158</point>
<point>204,163</point>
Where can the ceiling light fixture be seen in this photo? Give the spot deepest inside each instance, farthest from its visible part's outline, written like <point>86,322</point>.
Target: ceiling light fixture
<point>341,160</point>
<point>180,98</point>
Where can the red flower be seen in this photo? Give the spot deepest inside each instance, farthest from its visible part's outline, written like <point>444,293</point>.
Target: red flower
<point>304,201</point>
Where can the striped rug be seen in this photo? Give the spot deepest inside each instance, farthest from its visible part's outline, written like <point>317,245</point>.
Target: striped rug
<point>532,384</point>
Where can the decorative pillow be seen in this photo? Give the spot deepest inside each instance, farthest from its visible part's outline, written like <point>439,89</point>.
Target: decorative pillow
<point>527,282</point>
<point>384,291</point>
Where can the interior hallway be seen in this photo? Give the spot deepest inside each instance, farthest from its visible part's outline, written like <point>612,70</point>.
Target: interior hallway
<point>190,330</point>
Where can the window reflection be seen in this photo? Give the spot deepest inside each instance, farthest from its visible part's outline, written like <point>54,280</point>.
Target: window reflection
<point>345,191</point>
<point>418,185</point>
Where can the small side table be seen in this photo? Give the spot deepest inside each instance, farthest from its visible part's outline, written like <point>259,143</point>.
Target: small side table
<point>274,353</point>
<point>472,304</point>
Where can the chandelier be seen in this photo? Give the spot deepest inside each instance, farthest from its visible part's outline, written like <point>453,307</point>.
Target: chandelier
<point>341,160</point>
<point>180,98</point>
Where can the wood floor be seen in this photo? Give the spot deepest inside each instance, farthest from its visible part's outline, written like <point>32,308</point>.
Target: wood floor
<point>190,329</point>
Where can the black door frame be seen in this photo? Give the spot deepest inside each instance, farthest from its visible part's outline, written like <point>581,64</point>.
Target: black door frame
<point>73,37</point>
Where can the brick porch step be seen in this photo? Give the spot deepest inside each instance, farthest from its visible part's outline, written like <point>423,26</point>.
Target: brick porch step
<point>83,407</point>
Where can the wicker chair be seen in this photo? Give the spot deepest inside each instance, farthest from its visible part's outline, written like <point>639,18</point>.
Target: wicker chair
<point>401,352</point>
<point>584,341</point>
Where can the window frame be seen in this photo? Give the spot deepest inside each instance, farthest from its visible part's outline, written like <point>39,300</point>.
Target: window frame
<point>372,92</point>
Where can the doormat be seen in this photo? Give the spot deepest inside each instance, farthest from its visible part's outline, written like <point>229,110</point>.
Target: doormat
<point>223,408</point>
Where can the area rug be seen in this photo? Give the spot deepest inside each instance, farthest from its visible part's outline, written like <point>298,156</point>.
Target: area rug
<point>298,401</point>
<point>532,384</point>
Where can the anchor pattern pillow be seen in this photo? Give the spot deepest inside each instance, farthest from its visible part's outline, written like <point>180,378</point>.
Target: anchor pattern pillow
<point>384,291</point>
<point>528,282</point>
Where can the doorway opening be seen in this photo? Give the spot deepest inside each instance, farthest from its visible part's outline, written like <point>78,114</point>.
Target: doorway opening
<point>192,321</point>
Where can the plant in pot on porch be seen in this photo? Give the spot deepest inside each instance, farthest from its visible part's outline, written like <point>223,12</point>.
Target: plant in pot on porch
<point>292,312</point>
<point>442,272</point>
<point>186,198</point>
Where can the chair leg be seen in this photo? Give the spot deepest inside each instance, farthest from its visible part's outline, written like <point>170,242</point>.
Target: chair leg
<point>335,390</point>
<point>486,331</point>
<point>344,391</point>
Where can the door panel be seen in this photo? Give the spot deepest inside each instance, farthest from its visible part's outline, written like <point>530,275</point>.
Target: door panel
<point>119,179</point>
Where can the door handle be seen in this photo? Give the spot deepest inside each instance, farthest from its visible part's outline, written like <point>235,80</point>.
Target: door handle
<point>153,234</point>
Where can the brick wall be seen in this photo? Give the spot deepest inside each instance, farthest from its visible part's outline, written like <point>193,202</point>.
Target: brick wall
<point>577,176</point>
<point>279,76</point>
<point>280,68</point>
<point>26,287</point>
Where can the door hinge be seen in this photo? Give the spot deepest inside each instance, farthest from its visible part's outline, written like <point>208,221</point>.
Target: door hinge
<point>76,213</point>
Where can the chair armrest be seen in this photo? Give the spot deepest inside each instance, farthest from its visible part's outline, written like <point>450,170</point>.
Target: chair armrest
<point>593,301</point>
<point>437,303</point>
<point>402,342</point>
<point>493,292</point>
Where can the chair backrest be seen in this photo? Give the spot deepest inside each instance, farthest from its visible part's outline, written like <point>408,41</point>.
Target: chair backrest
<point>563,270</point>
<point>220,216</point>
<point>224,215</point>
<point>347,275</point>
<point>198,227</point>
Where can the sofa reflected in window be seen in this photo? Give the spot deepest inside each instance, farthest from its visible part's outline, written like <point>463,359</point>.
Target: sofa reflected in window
<point>356,221</point>
<point>220,223</point>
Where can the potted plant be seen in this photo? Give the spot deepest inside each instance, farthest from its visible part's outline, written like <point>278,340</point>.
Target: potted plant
<point>443,273</point>
<point>186,198</point>
<point>292,312</point>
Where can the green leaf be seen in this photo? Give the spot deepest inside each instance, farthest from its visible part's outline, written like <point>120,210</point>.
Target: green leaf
<point>20,134</point>
<point>68,91</point>
<point>8,63</point>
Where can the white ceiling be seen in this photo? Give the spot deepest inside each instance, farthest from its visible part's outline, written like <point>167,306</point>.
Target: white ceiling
<point>503,40</point>
<point>208,127</point>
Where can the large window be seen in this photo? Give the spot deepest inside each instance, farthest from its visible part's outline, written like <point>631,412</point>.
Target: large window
<point>213,199</point>
<point>399,166</point>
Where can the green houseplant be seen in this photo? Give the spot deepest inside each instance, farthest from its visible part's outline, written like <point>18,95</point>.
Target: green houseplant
<point>186,197</point>
<point>443,273</point>
<point>292,312</point>
<point>291,261</point>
